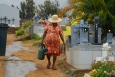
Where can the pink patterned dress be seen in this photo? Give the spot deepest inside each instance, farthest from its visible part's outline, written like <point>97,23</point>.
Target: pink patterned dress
<point>52,41</point>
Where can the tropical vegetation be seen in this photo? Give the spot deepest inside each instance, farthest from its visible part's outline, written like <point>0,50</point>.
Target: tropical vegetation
<point>87,9</point>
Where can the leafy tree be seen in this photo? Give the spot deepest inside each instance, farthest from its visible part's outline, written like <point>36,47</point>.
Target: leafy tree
<point>48,8</point>
<point>87,9</point>
<point>103,8</point>
<point>27,9</point>
<point>22,11</point>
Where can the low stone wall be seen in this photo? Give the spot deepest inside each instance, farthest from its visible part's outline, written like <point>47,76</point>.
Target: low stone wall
<point>11,30</point>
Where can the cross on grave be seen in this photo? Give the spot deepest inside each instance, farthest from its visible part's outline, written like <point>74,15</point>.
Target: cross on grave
<point>5,18</point>
<point>79,33</point>
<point>13,20</point>
<point>9,21</point>
<point>105,54</point>
<point>1,19</point>
<point>96,22</point>
<point>83,32</point>
<point>109,38</point>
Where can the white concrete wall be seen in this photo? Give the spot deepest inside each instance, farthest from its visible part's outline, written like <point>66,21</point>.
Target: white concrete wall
<point>10,12</point>
<point>39,30</point>
<point>83,59</point>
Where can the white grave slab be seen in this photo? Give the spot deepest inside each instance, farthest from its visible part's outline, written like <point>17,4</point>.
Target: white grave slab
<point>104,54</point>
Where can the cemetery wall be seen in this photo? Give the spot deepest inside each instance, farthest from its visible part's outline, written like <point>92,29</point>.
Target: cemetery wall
<point>10,13</point>
<point>12,30</point>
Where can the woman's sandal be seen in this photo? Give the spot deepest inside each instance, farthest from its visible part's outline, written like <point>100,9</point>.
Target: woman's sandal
<point>48,66</point>
<point>54,68</point>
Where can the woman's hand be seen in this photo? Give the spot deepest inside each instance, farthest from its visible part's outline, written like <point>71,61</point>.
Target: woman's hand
<point>64,44</point>
<point>42,42</point>
<point>44,35</point>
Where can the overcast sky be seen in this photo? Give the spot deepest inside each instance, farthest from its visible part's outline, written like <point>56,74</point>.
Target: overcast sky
<point>17,2</point>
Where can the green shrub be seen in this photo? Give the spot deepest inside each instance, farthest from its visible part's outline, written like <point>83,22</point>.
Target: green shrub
<point>27,24</point>
<point>19,32</point>
<point>102,68</point>
<point>23,37</point>
<point>37,37</point>
<point>67,71</point>
<point>34,44</point>
<point>64,29</point>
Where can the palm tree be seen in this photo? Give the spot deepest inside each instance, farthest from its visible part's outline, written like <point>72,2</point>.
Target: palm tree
<point>103,8</point>
<point>87,9</point>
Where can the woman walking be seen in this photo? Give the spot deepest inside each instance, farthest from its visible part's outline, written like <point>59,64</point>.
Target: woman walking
<point>52,42</point>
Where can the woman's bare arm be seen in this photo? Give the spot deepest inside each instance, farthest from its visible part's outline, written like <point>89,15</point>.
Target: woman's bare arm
<point>62,38</point>
<point>44,35</point>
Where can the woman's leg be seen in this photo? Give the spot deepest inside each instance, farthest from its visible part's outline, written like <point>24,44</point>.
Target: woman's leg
<point>54,60</point>
<point>48,58</point>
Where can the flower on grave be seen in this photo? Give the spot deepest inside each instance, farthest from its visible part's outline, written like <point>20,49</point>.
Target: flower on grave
<point>105,72</point>
<point>104,68</point>
<point>94,70</point>
<point>106,47</point>
<point>69,16</point>
<point>104,60</point>
<point>95,61</point>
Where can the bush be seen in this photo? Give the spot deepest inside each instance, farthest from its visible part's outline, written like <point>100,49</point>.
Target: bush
<point>23,37</point>
<point>19,32</point>
<point>37,37</point>
<point>27,24</point>
<point>102,68</point>
<point>64,29</point>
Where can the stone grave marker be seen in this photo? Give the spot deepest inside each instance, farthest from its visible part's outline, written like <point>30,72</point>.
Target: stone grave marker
<point>109,37</point>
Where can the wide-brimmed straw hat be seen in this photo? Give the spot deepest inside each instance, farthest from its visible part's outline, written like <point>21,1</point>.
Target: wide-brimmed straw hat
<point>55,19</point>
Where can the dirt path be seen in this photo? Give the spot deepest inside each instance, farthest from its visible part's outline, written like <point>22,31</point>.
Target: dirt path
<point>40,64</point>
<point>10,39</point>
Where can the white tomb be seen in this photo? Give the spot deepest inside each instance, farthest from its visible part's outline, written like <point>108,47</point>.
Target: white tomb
<point>105,51</point>
<point>83,56</point>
